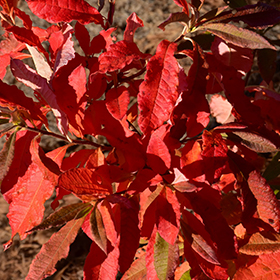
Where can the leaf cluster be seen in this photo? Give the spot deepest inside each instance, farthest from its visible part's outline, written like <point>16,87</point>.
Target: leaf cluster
<point>183,169</point>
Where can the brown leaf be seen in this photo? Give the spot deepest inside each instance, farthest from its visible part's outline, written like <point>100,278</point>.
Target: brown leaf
<point>261,243</point>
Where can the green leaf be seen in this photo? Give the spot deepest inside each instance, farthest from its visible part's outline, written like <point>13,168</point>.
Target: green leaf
<point>64,215</point>
<point>237,35</point>
<point>165,258</point>
<point>186,275</point>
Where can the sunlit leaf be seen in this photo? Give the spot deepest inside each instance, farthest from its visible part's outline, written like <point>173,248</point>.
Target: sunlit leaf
<point>57,11</point>
<point>267,204</point>
<point>137,271</point>
<point>158,93</point>
<point>55,249</point>
<point>85,183</point>
<point>262,243</point>
<point>237,35</point>
<point>264,267</point>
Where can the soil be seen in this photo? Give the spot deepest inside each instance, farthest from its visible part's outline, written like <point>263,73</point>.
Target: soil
<point>14,263</point>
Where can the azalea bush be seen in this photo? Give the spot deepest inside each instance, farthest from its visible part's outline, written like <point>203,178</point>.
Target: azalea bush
<point>177,162</point>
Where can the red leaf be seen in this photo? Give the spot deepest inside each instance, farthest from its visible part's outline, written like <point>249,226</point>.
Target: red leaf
<point>98,266</point>
<point>129,235</point>
<point>4,61</point>
<point>55,249</point>
<point>181,183</point>
<point>84,183</point>
<point>216,225</point>
<point>183,4</point>
<point>93,263</point>
<point>27,22</point>
<point>102,41</point>
<point>237,35</point>
<point>78,80</point>
<point>158,93</point>
<point>110,222</point>
<point>160,208</point>
<point>143,180</point>
<point>69,84</point>
<point>182,271</point>
<point>96,159</point>
<point>261,243</point>
<point>29,77</point>
<point>57,11</point>
<point>191,115</point>
<point>28,195</point>
<point>158,156</point>
<point>10,44</point>
<point>62,47</point>
<point>21,162</point>
<point>267,57</point>
<point>12,96</point>
<point>191,161</point>
<point>99,121</point>
<point>198,238</point>
<point>221,109</point>
<point>137,270</point>
<point>97,229</point>
<point>117,101</point>
<point>118,56</point>
<point>267,203</point>
<point>8,5</point>
<point>257,16</point>
<point>133,22</point>
<point>256,142</point>
<point>83,37</point>
<point>27,36</point>
<point>262,268</point>
<point>175,17</point>
<point>240,58</point>
<point>10,47</point>
<point>214,155</point>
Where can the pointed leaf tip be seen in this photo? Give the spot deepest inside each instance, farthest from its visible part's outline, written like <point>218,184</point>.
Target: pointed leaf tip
<point>237,36</point>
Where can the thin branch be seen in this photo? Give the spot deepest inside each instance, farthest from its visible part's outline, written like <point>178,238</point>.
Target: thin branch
<point>76,141</point>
